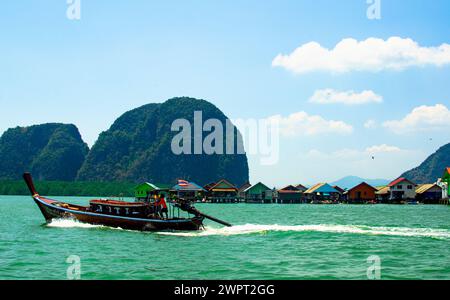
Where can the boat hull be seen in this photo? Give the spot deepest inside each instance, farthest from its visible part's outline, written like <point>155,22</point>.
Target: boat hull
<point>51,210</point>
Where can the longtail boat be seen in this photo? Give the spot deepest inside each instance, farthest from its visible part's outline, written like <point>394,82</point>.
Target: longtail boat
<point>120,214</point>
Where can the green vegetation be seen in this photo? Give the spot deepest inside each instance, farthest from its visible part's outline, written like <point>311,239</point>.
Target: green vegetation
<point>432,168</point>
<point>64,188</point>
<point>49,151</point>
<point>137,148</point>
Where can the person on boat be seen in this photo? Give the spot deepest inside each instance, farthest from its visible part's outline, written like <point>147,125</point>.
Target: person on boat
<point>163,206</point>
<point>155,205</point>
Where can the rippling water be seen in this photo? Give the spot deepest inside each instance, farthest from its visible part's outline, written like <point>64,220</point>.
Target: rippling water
<point>267,242</point>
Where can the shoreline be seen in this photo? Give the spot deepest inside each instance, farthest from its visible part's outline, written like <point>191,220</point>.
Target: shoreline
<point>84,197</point>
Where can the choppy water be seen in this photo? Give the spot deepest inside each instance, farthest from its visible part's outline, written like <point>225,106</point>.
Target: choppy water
<point>267,242</point>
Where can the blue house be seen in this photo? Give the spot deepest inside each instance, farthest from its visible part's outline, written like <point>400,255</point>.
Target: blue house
<point>322,192</point>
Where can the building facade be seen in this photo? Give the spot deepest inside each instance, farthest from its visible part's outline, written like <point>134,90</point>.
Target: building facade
<point>401,190</point>
<point>188,191</point>
<point>360,194</point>
<point>289,195</point>
<point>429,193</point>
<point>221,192</point>
<point>259,193</point>
<point>241,191</point>
<point>322,193</point>
<point>383,194</point>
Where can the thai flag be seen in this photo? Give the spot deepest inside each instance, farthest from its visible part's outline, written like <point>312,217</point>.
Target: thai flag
<point>183,182</point>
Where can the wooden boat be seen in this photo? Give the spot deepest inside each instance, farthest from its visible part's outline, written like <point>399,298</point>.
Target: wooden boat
<point>119,214</point>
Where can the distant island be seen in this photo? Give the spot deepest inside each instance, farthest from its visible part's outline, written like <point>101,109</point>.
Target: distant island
<point>136,148</point>
<point>50,151</point>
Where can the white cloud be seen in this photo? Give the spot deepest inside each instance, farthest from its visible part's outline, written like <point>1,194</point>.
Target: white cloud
<point>347,153</point>
<point>330,96</point>
<point>372,54</point>
<point>422,118</point>
<point>370,124</point>
<point>382,149</point>
<point>303,124</point>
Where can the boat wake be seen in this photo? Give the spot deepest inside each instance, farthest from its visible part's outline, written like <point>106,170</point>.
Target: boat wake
<point>263,229</point>
<point>69,223</point>
<point>346,229</point>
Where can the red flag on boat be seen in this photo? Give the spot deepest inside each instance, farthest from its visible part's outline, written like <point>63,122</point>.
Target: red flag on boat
<point>182,182</point>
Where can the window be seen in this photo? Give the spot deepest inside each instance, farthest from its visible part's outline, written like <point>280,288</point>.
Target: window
<point>410,187</point>
<point>399,187</point>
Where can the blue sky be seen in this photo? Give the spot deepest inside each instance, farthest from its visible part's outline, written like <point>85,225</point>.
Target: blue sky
<point>123,54</point>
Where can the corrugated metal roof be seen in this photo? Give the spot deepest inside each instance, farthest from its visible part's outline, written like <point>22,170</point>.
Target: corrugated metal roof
<point>422,188</point>
<point>321,188</point>
<point>362,184</point>
<point>259,183</point>
<point>383,190</point>
<point>244,186</point>
<point>313,188</point>
<point>151,185</point>
<point>326,188</point>
<point>289,188</point>
<point>223,182</point>
<point>339,189</point>
<point>301,187</point>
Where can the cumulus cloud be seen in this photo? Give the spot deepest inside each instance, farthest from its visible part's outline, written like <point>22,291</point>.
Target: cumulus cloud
<point>372,54</point>
<point>330,96</point>
<point>303,124</point>
<point>422,118</point>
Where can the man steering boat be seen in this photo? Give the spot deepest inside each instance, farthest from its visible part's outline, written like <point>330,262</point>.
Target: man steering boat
<point>161,207</point>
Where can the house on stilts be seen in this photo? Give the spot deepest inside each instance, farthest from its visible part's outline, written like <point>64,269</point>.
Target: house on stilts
<point>259,193</point>
<point>221,192</point>
<point>289,195</point>
<point>322,193</point>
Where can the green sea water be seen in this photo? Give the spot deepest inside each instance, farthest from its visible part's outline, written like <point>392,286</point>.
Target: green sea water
<point>267,242</point>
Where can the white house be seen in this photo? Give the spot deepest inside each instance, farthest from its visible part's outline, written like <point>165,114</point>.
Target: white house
<point>402,189</point>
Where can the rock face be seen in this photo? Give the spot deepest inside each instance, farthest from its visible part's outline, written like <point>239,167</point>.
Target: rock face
<point>137,148</point>
<point>49,151</point>
<point>432,168</point>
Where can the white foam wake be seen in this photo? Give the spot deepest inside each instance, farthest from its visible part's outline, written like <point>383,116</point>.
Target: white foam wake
<point>349,229</point>
<point>262,229</point>
<point>69,223</point>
